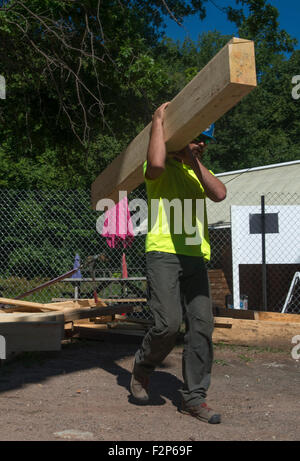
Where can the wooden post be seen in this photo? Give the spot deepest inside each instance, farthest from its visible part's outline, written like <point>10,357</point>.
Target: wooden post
<point>218,87</point>
<point>263,256</point>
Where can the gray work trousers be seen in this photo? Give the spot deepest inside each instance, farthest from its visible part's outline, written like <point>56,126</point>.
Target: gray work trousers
<point>178,289</point>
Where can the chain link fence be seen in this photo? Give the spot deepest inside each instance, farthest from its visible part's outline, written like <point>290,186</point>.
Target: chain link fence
<point>258,252</point>
<point>42,233</point>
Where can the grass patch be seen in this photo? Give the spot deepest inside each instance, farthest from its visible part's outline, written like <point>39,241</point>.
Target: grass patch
<point>220,362</point>
<point>245,358</point>
<point>254,349</point>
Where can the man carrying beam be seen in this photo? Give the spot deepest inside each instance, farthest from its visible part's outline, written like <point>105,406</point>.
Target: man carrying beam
<point>219,86</point>
<point>176,250</point>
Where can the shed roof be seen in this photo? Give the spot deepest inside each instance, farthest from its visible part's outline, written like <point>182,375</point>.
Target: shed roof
<point>279,183</point>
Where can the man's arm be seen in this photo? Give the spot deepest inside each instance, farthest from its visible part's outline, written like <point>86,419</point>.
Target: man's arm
<point>156,155</point>
<point>214,189</point>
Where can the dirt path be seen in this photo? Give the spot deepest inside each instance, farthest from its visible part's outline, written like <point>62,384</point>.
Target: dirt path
<point>83,390</point>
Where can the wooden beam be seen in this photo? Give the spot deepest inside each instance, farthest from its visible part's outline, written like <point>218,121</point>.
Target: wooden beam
<point>76,304</point>
<point>255,315</point>
<point>124,300</point>
<point>64,312</point>
<point>17,302</point>
<point>85,312</point>
<point>102,333</point>
<point>259,333</point>
<point>277,317</point>
<point>31,336</point>
<point>218,87</point>
<point>8,310</point>
<point>29,306</point>
<point>19,317</point>
<point>43,331</point>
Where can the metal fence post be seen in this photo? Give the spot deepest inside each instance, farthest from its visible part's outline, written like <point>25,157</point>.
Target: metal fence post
<point>263,249</point>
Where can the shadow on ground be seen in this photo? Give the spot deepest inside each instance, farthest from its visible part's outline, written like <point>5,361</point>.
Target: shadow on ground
<point>80,355</point>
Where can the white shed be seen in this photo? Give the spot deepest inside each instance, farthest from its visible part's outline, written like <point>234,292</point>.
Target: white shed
<point>279,183</point>
<point>280,186</point>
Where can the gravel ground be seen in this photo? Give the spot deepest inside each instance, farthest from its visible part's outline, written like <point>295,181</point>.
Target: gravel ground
<point>82,393</point>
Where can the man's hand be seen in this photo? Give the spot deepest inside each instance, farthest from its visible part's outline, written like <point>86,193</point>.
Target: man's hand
<point>191,155</point>
<point>191,151</point>
<point>156,155</point>
<point>159,114</point>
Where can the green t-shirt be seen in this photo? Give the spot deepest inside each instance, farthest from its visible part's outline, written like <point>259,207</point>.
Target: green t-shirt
<point>177,219</point>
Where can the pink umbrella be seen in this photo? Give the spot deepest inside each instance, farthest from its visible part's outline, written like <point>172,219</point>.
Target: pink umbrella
<point>118,229</point>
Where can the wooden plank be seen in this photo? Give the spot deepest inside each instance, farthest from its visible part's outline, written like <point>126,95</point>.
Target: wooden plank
<point>41,331</point>
<point>145,322</point>
<point>258,333</point>
<point>33,309</point>
<point>92,330</point>
<point>103,333</point>
<point>107,279</point>
<point>85,312</point>
<point>221,322</point>
<point>29,306</point>
<point>21,309</point>
<point>103,319</point>
<point>76,304</point>
<point>32,336</point>
<point>18,317</point>
<point>125,326</point>
<point>61,300</point>
<point>124,300</point>
<point>227,330</point>
<point>20,303</point>
<point>70,302</point>
<point>277,317</point>
<point>86,323</point>
<point>218,87</point>
<point>255,315</point>
<point>234,313</point>
<point>64,312</point>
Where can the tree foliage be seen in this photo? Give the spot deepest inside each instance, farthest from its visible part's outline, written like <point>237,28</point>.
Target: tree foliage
<point>84,77</point>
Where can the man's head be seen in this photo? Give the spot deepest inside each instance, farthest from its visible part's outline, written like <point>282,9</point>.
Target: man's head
<point>198,144</point>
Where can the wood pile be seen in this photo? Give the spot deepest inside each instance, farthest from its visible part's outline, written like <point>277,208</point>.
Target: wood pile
<point>232,326</point>
<point>256,328</point>
<point>30,326</point>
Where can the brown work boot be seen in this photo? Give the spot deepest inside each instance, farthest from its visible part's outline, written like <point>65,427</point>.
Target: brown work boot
<point>202,412</point>
<point>139,386</point>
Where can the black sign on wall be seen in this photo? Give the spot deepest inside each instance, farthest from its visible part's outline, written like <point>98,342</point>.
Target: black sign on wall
<point>271,223</point>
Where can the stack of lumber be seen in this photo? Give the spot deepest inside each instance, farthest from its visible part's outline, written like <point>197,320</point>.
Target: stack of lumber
<point>238,327</point>
<point>30,326</point>
<point>255,328</point>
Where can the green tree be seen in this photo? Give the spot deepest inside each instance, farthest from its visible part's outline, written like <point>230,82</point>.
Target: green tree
<point>84,77</point>
<point>82,81</point>
<point>263,128</point>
